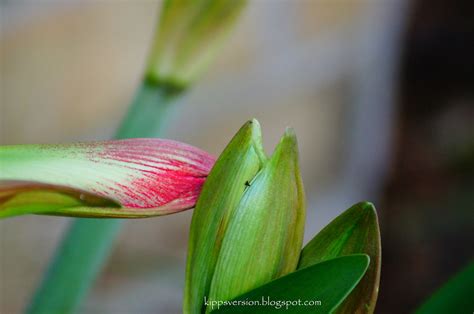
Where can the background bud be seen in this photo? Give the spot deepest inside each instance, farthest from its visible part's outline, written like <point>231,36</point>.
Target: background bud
<point>189,35</point>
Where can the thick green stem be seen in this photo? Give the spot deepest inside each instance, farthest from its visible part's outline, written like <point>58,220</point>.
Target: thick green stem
<point>145,117</point>
<point>88,242</point>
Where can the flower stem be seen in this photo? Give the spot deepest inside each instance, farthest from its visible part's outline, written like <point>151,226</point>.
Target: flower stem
<point>88,242</point>
<point>146,116</point>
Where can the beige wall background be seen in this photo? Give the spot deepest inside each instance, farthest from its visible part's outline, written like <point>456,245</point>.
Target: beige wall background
<point>69,68</point>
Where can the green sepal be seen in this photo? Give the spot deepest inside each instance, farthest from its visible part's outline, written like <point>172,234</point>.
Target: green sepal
<point>237,165</point>
<point>188,37</point>
<point>265,233</point>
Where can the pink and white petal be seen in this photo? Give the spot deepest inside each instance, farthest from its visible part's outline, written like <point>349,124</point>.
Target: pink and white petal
<point>139,174</point>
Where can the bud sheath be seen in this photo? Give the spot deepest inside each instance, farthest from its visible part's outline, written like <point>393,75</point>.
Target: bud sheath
<point>239,163</point>
<point>189,35</point>
<point>264,236</point>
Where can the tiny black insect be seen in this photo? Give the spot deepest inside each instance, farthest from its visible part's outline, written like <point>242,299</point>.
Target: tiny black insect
<point>247,183</point>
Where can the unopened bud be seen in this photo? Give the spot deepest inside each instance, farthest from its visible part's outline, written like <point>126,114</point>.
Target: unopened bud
<point>265,234</point>
<point>190,33</point>
<point>238,164</point>
<point>247,227</point>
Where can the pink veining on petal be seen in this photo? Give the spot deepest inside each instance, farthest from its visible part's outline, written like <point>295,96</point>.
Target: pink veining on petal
<point>164,172</point>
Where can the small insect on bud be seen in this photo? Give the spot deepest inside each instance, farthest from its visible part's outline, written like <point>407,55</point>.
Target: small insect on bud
<point>240,161</point>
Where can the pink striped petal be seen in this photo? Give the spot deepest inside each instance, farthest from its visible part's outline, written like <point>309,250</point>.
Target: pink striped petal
<point>147,176</point>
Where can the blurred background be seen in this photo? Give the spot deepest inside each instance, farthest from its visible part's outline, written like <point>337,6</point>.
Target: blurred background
<point>380,93</point>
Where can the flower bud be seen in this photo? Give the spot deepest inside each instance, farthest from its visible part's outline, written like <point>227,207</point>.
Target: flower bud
<point>188,37</point>
<point>265,234</point>
<point>258,237</point>
<point>238,164</point>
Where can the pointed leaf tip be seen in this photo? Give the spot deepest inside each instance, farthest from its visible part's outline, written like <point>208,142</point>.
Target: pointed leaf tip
<point>354,231</point>
<point>289,141</point>
<point>244,191</point>
<point>238,164</point>
<point>328,283</point>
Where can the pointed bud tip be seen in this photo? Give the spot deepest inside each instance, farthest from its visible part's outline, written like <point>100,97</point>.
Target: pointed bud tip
<point>254,126</point>
<point>253,120</point>
<point>290,136</point>
<point>251,131</point>
<point>288,142</point>
<point>289,131</point>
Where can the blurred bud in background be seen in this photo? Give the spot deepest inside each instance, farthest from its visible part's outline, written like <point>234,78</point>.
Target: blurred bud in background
<point>183,47</point>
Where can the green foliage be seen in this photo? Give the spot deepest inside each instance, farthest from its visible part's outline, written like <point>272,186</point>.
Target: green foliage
<point>328,282</point>
<point>456,296</point>
<point>264,237</point>
<point>354,231</point>
<point>62,202</point>
<point>239,163</point>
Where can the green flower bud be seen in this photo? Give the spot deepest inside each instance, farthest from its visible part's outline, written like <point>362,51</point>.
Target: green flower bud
<point>264,236</point>
<point>239,163</point>
<point>189,35</point>
<point>257,235</point>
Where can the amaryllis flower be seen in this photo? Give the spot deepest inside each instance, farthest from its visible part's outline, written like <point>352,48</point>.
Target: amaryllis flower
<point>124,178</point>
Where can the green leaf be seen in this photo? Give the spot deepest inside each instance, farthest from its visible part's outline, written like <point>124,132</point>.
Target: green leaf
<point>328,282</point>
<point>123,179</point>
<point>354,231</point>
<point>265,234</point>
<point>238,164</point>
<point>456,296</point>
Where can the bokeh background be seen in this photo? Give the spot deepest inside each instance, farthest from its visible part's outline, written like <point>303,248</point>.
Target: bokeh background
<point>380,92</point>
